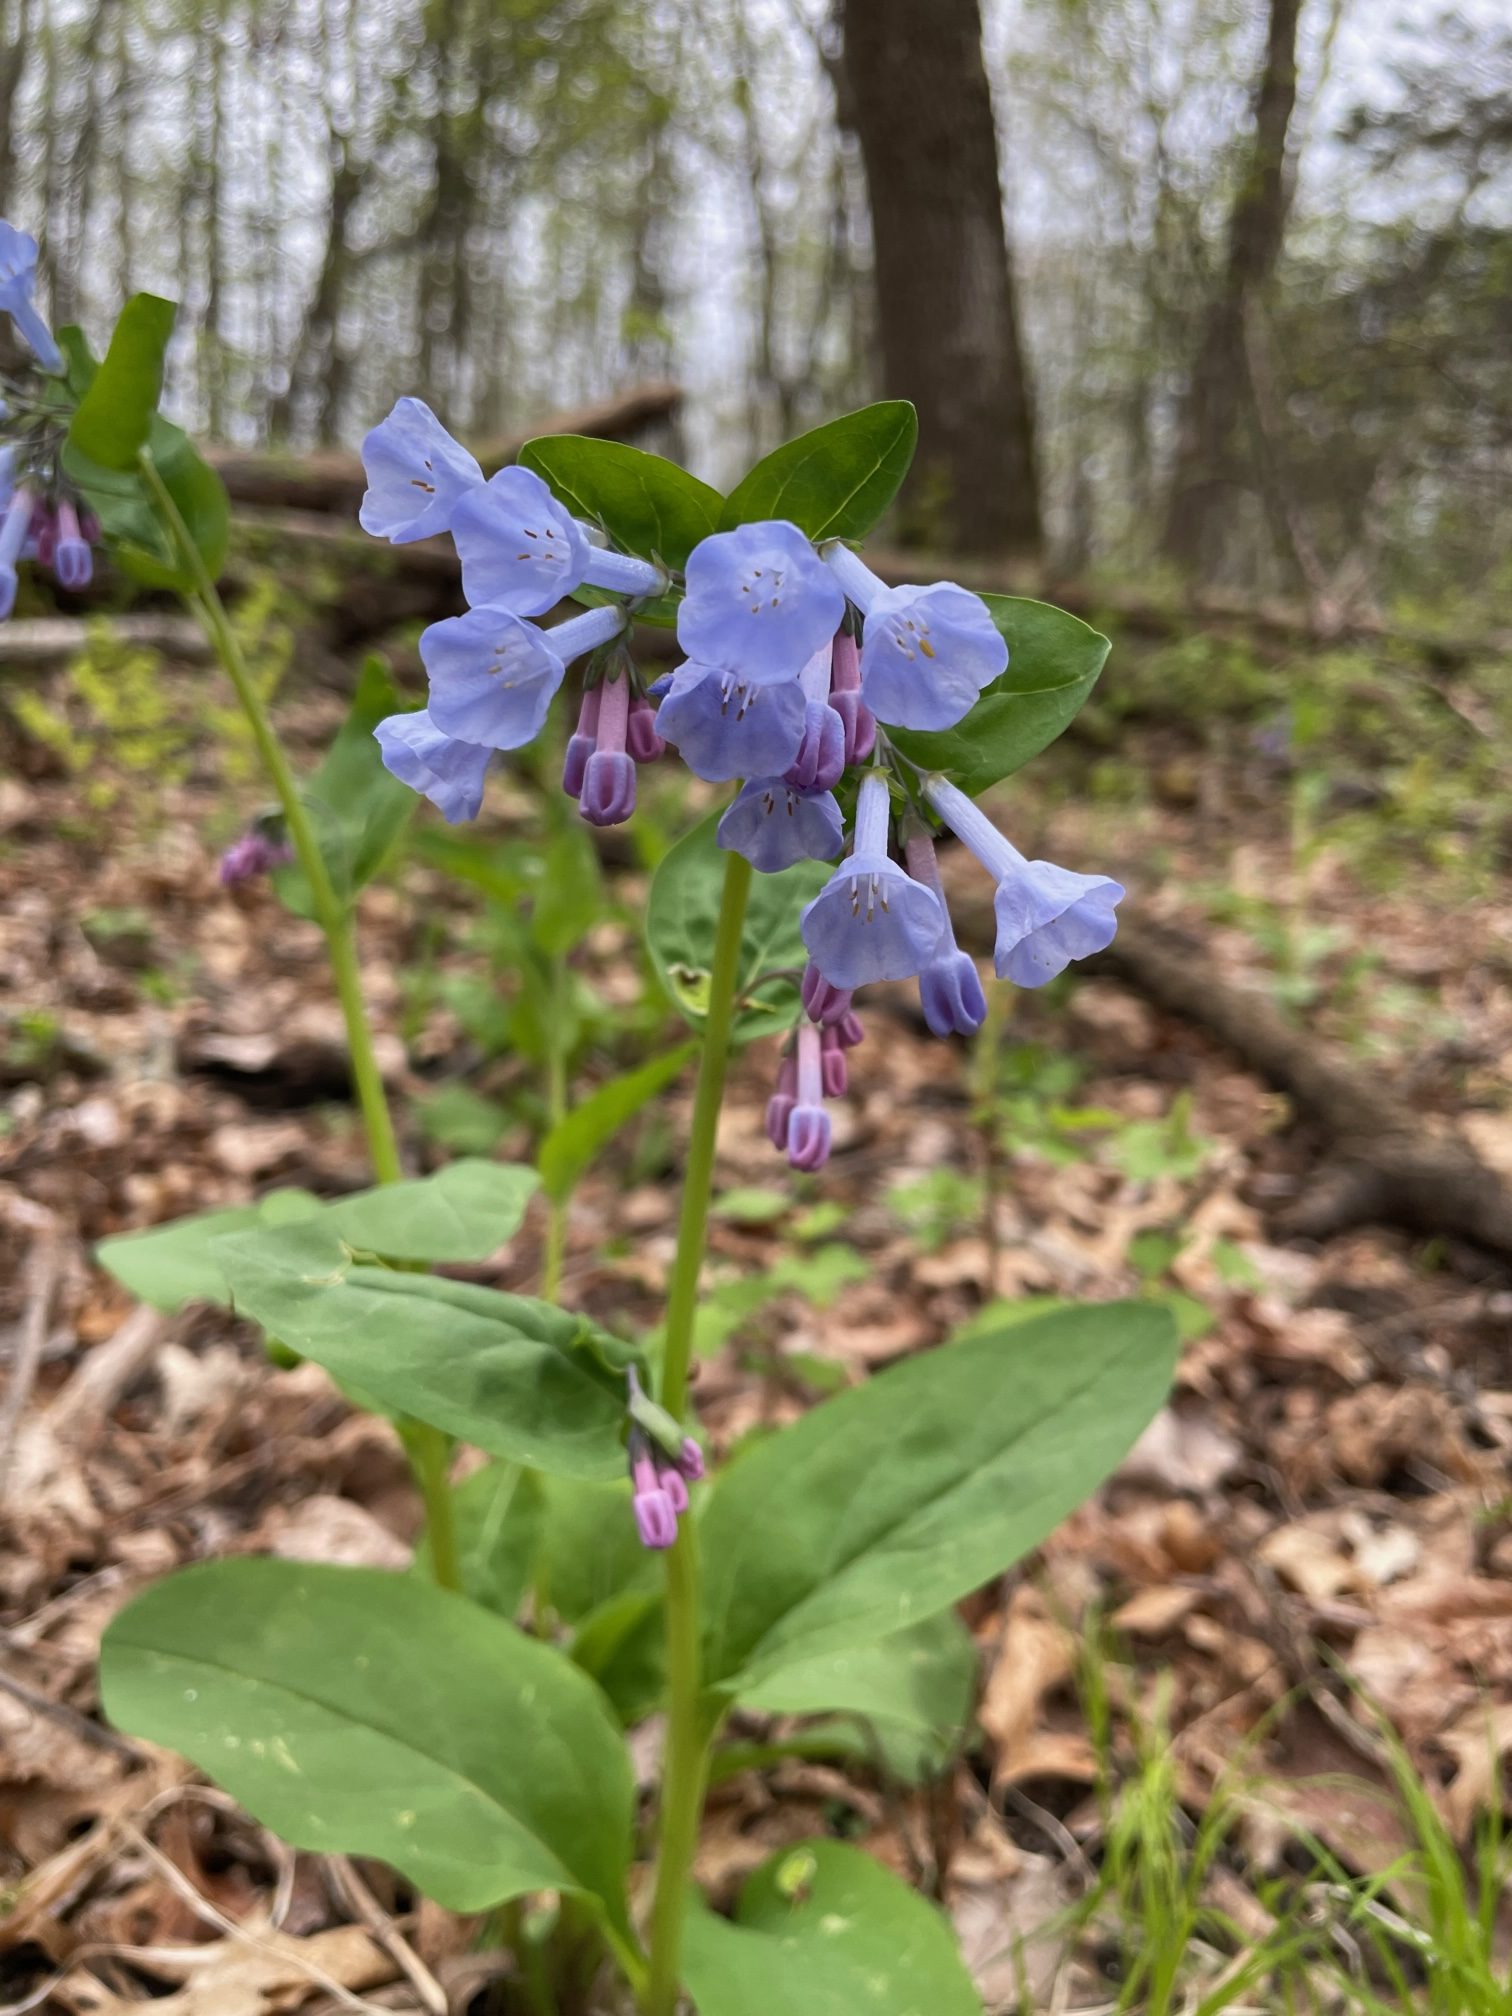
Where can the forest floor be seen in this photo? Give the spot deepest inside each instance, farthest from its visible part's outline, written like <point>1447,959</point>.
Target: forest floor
<point>1306,1560</point>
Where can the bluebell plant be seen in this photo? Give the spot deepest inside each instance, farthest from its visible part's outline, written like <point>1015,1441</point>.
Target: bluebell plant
<point>799,663</point>
<point>853,724</point>
<point>42,517</point>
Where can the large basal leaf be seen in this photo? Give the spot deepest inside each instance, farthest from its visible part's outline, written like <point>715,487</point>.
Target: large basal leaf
<point>835,482</point>
<point>518,1378</point>
<point>892,1501</point>
<point>592,1124</point>
<point>360,1713</point>
<point>681,914</point>
<point>174,1264</point>
<point>825,1930</point>
<point>112,421</point>
<point>646,504</point>
<point>912,1691</point>
<point>357,808</point>
<point>1053,662</point>
<point>464,1212</point>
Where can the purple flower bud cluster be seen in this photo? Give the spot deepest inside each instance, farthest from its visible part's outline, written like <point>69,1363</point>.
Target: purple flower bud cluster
<point>256,853</point>
<point>40,520</point>
<point>663,1463</point>
<point>813,1070</point>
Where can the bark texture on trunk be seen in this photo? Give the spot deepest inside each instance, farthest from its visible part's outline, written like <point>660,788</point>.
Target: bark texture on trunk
<point>1208,460</point>
<point>916,89</point>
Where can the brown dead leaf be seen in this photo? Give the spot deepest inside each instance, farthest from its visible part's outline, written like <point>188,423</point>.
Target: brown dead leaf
<point>325,1528</point>
<point>1182,1451</point>
<point>1006,1929</point>
<point>1036,1654</point>
<point>1151,1613</point>
<point>1478,1742</point>
<point>259,1972</point>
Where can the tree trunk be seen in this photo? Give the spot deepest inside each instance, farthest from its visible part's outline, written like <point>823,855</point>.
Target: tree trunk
<point>1209,458</point>
<point>916,86</point>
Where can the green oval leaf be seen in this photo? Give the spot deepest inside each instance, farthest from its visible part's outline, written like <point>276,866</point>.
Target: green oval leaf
<point>355,1712</point>
<point>1053,662</point>
<point>836,481</point>
<point>170,1265</point>
<point>681,913</point>
<point>646,504</point>
<point>824,1929</point>
<point>912,1693</point>
<point>464,1212</point>
<point>119,500</point>
<point>112,421</point>
<point>513,1375</point>
<point>892,1501</point>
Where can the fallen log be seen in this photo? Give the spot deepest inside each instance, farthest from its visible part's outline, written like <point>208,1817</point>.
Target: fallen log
<point>332,480</point>
<point>1209,609</point>
<point>53,640</point>
<point>1386,1162</point>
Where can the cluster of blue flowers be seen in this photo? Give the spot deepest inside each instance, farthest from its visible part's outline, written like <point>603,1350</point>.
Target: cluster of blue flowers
<point>798,660</point>
<point>40,518</point>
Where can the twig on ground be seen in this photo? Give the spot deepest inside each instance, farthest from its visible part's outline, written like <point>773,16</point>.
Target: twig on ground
<point>359,1898</point>
<point>41,1282</point>
<point>68,1718</point>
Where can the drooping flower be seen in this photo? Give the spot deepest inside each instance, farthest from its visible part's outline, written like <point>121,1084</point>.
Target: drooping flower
<point>493,676</point>
<point>581,742</point>
<point>522,550</point>
<point>773,825</point>
<point>690,1460</point>
<point>725,726</point>
<point>256,853</point>
<point>417,475</point>
<point>857,719</point>
<point>13,531</point>
<point>852,1030</point>
<point>808,1129</point>
<point>642,736</point>
<point>663,1463</point>
<point>779,1108</point>
<point>872,921</point>
<point>821,1002</point>
<point>608,794</point>
<point>759,602</point>
<point>18,282</point>
<point>950,988</point>
<point>832,1068</point>
<point>655,1514</point>
<point>820,762</point>
<point>72,561</point>
<point>1046,915</point>
<point>441,767</point>
<point>927,653</point>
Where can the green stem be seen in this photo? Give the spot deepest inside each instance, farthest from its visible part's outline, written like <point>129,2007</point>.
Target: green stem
<point>430,1448</point>
<point>689,1726</point>
<point>698,1179</point>
<point>332,915</point>
<point>556,1111</point>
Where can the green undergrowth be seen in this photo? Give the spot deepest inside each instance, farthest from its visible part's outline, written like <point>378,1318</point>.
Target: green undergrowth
<point>1192,1911</point>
